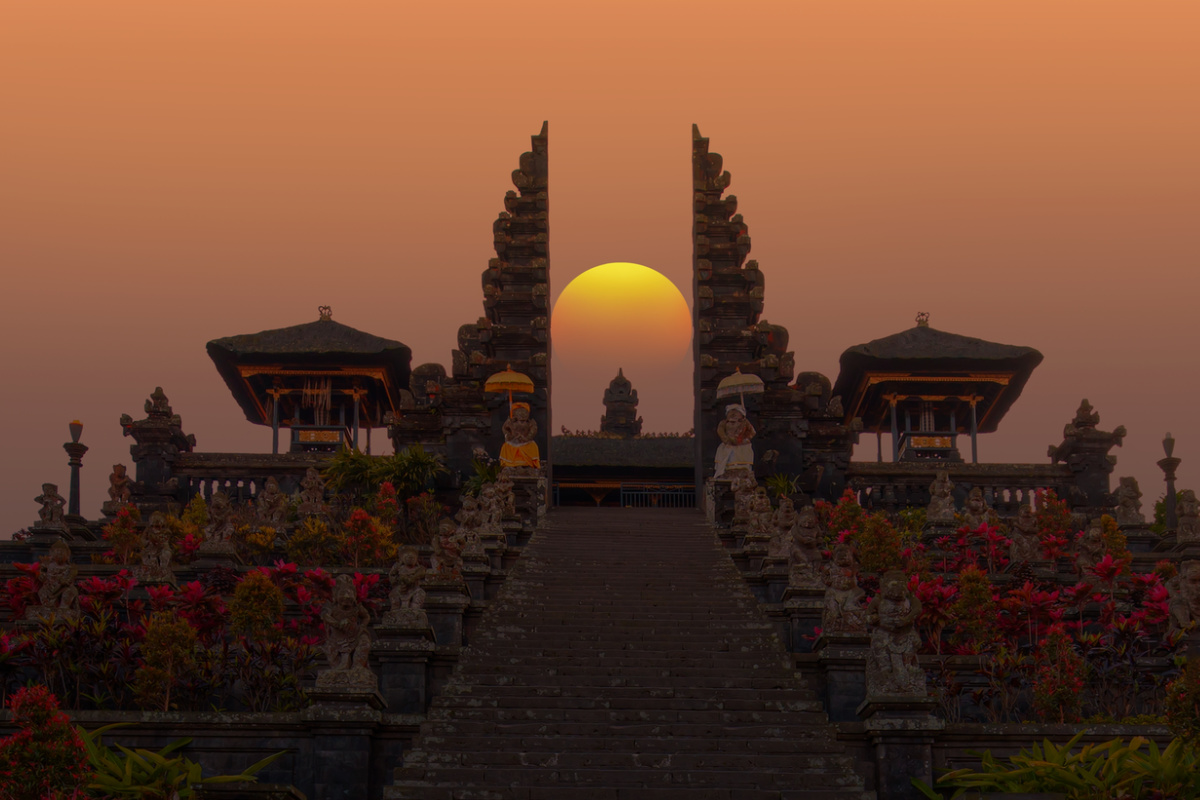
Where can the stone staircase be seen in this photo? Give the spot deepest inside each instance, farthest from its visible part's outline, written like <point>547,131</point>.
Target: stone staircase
<point>625,658</point>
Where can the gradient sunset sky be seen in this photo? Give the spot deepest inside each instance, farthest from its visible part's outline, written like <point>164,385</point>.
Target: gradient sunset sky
<point>170,173</point>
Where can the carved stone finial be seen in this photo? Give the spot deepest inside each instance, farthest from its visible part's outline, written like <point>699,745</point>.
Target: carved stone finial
<point>326,313</point>
<point>922,319</point>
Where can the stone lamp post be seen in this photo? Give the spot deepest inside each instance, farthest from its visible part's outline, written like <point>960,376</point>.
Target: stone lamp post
<point>75,452</point>
<point>1168,465</point>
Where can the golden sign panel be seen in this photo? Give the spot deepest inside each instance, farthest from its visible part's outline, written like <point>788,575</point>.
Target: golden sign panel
<point>932,441</point>
<point>319,436</point>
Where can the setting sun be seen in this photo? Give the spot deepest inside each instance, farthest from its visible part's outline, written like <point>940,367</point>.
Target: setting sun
<point>620,315</point>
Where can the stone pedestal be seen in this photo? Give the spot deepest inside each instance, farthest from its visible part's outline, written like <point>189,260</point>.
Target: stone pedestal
<point>1139,538</point>
<point>475,570</point>
<point>216,554</point>
<point>42,536</point>
<point>404,644</point>
<point>842,658</point>
<point>530,494</point>
<point>804,606</point>
<point>445,603</point>
<point>935,530</point>
<point>901,729</point>
<point>775,577</point>
<point>343,722</point>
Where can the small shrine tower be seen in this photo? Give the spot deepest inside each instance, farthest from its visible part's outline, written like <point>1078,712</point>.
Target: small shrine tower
<point>620,408</point>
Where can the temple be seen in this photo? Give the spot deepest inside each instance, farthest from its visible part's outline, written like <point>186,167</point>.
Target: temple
<point>490,610</point>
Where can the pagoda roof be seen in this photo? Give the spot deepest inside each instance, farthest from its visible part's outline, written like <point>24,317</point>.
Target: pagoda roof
<point>927,361</point>
<point>322,348</point>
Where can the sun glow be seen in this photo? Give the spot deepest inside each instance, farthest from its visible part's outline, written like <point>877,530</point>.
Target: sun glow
<point>620,315</point>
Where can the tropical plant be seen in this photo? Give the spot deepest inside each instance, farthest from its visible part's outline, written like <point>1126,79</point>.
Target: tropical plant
<point>140,774</point>
<point>486,471</point>
<point>366,541</point>
<point>782,485</point>
<point>1183,703</point>
<point>45,759</point>
<point>1059,676</point>
<point>313,543</point>
<point>409,471</point>
<point>123,537</point>
<point>256,608</point>
<point>1106,771</point>
<point>169,656</point>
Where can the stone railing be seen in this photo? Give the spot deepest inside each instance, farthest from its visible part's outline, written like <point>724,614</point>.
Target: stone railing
<point>893,486</point>
<point>241,475</point>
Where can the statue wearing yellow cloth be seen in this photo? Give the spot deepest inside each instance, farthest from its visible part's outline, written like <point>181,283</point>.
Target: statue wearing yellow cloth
<point>520,450</point>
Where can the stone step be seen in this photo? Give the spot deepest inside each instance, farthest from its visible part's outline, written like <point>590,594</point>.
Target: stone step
<point>531,700</point>
<point>827,775</point>
<point>806,742</point>
<point>552,758</point>
<point>626,660</point>
<point>620,716</point>
<point>420,790</point>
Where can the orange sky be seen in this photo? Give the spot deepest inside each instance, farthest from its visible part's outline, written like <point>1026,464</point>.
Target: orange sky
<point>170,173</point>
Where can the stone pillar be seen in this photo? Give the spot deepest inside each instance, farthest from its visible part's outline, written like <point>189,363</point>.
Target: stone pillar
<point>404,650</point>
<point>343,723</point>
<point>842,658</point>
<point>75,452</point>
<point>901,729</point>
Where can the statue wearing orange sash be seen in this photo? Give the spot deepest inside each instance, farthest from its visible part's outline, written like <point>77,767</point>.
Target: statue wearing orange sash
<point>520,450</point>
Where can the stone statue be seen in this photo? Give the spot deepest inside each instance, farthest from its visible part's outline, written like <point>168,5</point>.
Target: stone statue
<point>220,519</point>
<point>1090,549</point>
<point>1026,543</point>
<point>806,562</point>
<point>782,523</point>
<point>941,501</point>
<point>1188,511</point>
<point>118,486</point>
<point>407,597</point>
<point>312,494</point>
<point>1129,503</point>
<point>50,515</point>
<point>491,512</point>
<point>1184,593</point>
<point>446,560</point>
<point>57,594</point>
<point>892,666</point>
<point>272,506</point>
<point>843,612</point>
<point>156,551</point>
<point>470,516</point>
<point>347,639</point>
<point>508,499</point>
<point>976,512</point>
<point>520,451</point>
<point>743,484</point>
<point>735,451</point>
<point>761,514</point>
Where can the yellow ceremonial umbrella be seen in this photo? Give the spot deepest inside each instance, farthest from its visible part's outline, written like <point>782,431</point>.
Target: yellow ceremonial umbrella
<point>741,385</point>
<point>509,381</point>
